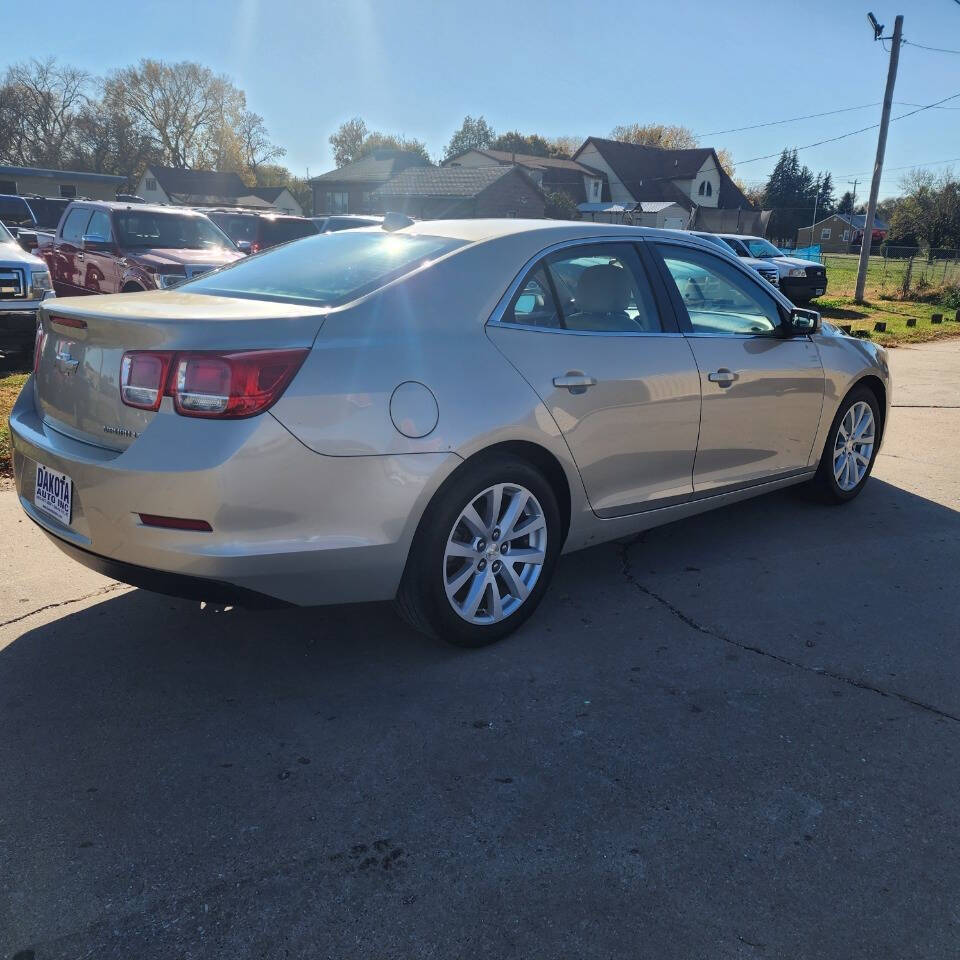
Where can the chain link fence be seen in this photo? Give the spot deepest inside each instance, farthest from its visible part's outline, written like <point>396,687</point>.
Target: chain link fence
<point>907,271</point>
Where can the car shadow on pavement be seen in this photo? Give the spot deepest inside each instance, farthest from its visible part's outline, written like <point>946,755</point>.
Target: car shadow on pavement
<point>176,772</point>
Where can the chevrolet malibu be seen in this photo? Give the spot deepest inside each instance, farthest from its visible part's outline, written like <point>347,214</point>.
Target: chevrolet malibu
<point>430,413</point>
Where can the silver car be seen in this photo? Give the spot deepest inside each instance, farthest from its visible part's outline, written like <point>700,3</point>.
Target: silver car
<point>430,414</point>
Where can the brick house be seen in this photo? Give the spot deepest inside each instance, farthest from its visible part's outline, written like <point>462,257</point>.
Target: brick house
<point>432,193</point>
<point>349,189</point>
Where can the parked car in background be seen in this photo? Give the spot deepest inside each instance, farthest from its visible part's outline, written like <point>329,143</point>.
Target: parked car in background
<point>24,284</point>
<point>619,378</point>
<point>252,231</point>
<point>110,247</point>
<point>345,221</point>
<point>31,220</point>
<point>801,280</point>
<point>767,270</point>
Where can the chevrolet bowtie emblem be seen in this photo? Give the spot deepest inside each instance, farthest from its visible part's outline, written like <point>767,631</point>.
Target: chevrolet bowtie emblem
<point>65,363</point>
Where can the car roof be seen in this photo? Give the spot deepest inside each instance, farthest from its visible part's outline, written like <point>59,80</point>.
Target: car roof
<point>139,207</point>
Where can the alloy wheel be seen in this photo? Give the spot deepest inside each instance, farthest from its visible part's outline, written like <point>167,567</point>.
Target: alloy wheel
<point>853,446</point>
<point>495,553</point>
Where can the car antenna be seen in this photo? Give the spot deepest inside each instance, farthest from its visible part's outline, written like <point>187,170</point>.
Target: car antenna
<point>395,221</point>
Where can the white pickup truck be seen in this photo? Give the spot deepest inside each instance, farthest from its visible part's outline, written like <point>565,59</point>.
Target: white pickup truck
<point>24,283</point>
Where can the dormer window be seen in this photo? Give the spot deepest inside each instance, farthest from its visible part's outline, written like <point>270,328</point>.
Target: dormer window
<point>706,189</point>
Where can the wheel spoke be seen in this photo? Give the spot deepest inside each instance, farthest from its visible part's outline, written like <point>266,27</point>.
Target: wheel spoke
<point>496,502</point>
<point>524,555</point>
<point>457,549</point>
<point>515,585</point>
<point>528,526</point>
<point>496,601</point>
<point>474,522</point>
<point>461,577</point>
<point>475,595</point>
<point>517,502</point>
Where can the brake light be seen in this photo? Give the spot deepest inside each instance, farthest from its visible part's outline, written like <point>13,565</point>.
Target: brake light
<point>39,342</point>
<point>174,523</point>
<point>142,377</point>
<point>255,247</point>
<point>226,385</point>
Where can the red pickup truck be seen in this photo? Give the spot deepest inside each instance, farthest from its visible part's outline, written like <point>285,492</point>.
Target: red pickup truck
<point>107,247</point>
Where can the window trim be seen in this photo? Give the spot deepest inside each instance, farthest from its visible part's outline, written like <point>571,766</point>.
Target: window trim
<point>733,261</point>
<point>661,296</point>
<point>826,233</point>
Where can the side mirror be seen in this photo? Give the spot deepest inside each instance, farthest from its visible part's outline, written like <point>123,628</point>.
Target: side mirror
<point>802,322</point>
<point>93,241</point>
<point>244,246</point>
<point>28,240</point>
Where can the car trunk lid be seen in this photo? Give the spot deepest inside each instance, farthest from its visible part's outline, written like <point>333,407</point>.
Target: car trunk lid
<point>77,381</point>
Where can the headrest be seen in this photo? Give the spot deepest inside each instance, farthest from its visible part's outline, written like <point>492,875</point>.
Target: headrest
<point>603,289</point>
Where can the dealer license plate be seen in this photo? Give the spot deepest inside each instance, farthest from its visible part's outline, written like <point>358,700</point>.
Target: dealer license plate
<point>53,493</point>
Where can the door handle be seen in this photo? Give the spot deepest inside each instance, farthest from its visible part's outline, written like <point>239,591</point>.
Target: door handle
<point>574,381</point>
<point>723,376</point>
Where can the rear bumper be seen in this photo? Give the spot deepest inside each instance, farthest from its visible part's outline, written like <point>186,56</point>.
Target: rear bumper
<point>288,524</point>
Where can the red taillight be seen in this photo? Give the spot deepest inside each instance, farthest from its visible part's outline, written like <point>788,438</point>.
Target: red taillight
<point>174,523</point>
<point>38,343</point>
<point>230,385</point>
<point>142,377</point>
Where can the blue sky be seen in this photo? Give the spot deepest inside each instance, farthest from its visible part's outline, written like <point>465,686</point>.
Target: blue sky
<point>548,66</point>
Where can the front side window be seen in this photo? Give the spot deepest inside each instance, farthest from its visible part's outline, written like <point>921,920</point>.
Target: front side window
<point>14,212</point>
<point>761,249</point>
<point>75,226</point>
<point>99,225</point>
<point>719,299</point>
<point>599,288</point>
<point>146,229</point>
<point>325,269</point>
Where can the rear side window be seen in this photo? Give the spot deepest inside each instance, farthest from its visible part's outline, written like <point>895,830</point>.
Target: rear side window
<point>283,231</point>
<point>237,228</point>
<point>600,288</point>
<point>99,225</point>
<point>15,212</point>
<point>75,225</point>
<point>328,269</point>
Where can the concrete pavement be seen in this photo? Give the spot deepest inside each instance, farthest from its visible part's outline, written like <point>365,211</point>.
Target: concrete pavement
<point>734,737</point>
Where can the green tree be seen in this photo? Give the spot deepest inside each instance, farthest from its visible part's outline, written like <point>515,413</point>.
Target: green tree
<point>532,144</point>
<point>561,206</point>
<point>353,140</point>
<point>473,134</point>
<point>929,211</point>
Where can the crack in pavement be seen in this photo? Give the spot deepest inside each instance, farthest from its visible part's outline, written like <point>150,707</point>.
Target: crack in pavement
<point>110,588</point>
<point>628,575</point>
<point>925,406</point>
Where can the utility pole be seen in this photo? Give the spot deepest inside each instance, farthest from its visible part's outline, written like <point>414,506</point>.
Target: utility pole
<point>816,197</point>
<point>853,207</point>
<point>881,149</point>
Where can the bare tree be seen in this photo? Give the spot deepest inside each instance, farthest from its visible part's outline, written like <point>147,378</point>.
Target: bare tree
<point>256,146</point>
<point>39,104</point>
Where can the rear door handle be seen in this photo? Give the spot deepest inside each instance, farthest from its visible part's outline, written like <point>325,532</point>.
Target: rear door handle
<point>723,377</point>
<point>574,381</point>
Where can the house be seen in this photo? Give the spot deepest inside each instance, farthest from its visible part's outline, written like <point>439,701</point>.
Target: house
<point>348,189</point>
<point>665,214</point>
<point>581,183</point>
<point>841,233</point>
<point>432,193</point>
<point>690,178</point>
<point>37,181</point>
<point>210,188</point>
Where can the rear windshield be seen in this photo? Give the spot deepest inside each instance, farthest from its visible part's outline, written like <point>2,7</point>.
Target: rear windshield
<point>146,229</point>
<point>236,226</point>
<point>327,269</point>
<point>14,212</point>
<point>283,230</point>
<point>48,210</point>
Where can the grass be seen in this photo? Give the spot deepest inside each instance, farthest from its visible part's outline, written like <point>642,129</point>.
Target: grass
<point>11,382</point>
<point>895,313</point>
<point>885,276</point>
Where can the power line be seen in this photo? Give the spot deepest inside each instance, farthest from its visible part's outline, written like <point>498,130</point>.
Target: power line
<point>852,133</point>
<point>923,46</point>
<point>773,123</point>
<point>906,166</point>
<point>907,103</point>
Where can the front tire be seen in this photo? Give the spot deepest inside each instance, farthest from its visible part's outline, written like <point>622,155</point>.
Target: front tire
<point>483,554</point>
<point>850,449</point>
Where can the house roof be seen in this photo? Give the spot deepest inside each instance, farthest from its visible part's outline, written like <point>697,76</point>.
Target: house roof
<point>530,161</point>
<point>648,172</point>
<point>209,183</point>
<point>269,194</point>
<point>460,183</point>
<point>59,174</point>
<point>376,167</point>
<point>856,220</point>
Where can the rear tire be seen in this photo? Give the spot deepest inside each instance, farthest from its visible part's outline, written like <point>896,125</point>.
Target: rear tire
<point>484,553</point>
<point>850,449</point>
